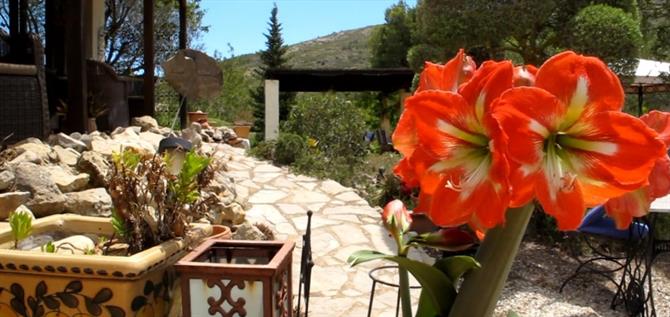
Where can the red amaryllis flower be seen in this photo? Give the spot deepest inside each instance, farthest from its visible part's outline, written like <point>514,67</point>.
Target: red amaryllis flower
<point>396,217</point>
<point>467,180</point>
<point>524,75</point>
<point>449,76</point>
<point>636,204</point>
<point>446,77</point>
<point>572,145</point>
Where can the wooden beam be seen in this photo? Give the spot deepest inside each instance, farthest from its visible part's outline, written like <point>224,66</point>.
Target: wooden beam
<point>183,26</point>
<point>23,16</point>
<point>13,18</point>
<point>183,43</point>
<point>149,65</point>
<point>77,114</point>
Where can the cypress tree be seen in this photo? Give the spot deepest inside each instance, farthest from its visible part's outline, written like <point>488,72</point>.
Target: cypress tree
<point>272,57</point>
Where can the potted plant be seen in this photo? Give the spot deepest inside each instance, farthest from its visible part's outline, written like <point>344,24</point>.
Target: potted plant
<point>242,125</point>
<point>128,272</point>
<point>485,143</point>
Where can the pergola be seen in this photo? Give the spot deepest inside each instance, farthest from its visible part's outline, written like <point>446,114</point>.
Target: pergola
<point>76,22</point>
<point>648,80</point>
<point>321,80</point>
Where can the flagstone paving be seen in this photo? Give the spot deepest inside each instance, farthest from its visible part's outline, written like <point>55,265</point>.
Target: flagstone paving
<point>342,223</point>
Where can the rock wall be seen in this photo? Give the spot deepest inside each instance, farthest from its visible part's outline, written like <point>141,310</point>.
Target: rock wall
<point>68,173</point>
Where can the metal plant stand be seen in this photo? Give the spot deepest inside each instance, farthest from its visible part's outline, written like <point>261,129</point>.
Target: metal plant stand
<point>306,264</point>
<point>376,280</point>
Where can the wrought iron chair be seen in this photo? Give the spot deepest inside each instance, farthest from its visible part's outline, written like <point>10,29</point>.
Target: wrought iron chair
<point>597,224</point>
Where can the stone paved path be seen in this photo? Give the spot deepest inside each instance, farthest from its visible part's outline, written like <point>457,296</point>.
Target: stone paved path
<point>342,223</point>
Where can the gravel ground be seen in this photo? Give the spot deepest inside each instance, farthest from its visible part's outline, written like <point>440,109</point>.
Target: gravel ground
<point>533,286</point>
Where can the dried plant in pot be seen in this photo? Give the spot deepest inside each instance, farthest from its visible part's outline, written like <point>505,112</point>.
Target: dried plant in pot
<point>132,274</point>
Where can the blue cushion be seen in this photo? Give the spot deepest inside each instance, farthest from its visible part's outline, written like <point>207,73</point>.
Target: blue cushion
<point>597,222</point>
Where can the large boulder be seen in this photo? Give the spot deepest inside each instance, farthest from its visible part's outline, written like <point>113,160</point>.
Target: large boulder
<point>152,138</point>
<point>40,150</point>
<point>6,179</point>
<point>247,231</point>
<point>226,214</point>
<point>47,199</point>
<point>105,147</point>
<point>10,201</point>
<point>93,202</point>
<point>129,138</point>
<point>67,182</point>
<point>145,122</point>
<point>67,156</point>
<point>67,142</point>
<point>96,165</point>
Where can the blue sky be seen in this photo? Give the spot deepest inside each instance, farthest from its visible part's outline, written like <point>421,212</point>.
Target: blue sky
<point>242,23</point>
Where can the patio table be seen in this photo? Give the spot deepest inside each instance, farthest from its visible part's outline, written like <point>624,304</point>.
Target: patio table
<point>635,289</point>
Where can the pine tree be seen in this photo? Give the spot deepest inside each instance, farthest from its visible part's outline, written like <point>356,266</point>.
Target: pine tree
<point>272,57</point>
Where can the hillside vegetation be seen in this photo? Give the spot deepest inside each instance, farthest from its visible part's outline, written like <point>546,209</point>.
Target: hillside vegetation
<point>344,49</point>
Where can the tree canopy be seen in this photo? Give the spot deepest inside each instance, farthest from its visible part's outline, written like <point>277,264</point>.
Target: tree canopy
<point>123,38</point>
<point>390,41</point>
<point>527,31</point>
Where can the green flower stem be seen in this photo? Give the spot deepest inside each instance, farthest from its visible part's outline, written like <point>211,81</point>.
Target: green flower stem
<point>405,300</point>
<point>403,276</point>
<point>481,288</point>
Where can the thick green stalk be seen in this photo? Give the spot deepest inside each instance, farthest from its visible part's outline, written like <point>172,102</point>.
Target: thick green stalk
<point>405,300</point>
<point>481,288</point>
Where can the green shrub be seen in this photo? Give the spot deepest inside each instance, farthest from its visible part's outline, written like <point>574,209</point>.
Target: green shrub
<point>333,131</point>
<point>289,148</point>
<point>264,150</point>
<point>336,126</point>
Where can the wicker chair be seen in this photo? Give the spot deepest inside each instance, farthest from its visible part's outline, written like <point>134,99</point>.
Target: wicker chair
<point>23,99</point>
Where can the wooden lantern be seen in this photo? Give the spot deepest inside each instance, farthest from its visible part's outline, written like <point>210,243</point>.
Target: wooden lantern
<point>250,278</point>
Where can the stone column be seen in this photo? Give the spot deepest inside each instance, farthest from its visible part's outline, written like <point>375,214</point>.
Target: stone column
<point>271,109</point>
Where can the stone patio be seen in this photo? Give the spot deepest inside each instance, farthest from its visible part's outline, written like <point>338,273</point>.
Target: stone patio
<point>342,223</point>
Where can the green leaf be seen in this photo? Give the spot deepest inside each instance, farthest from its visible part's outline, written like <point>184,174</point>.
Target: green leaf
<point>21,224</point>
<point>512,314</point>
<point>426,308</point>
<point>363,256</point>
<point>455,266</point>
<point>438,287</point>
<point>119,224</point>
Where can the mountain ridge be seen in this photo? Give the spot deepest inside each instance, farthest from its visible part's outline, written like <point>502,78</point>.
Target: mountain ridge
<point>347,49</point>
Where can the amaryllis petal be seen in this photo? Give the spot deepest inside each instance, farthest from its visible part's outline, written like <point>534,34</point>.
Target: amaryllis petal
<point>488,83</point>
<point>660,122</point>
<point>612,147</point>
<point>404,136</point>
<point>449,76</point>
<point>584,84</point>
<point>528,116</point>
<point>562,199</point>
<point>405,170</point>
<point>622,209</point>
<point>659,179</point>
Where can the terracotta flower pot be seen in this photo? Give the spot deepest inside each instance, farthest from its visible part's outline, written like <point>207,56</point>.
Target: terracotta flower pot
<point>242,131</point>
<point>196,116</point>
<point>47,284</point>
<point>221,232</point>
